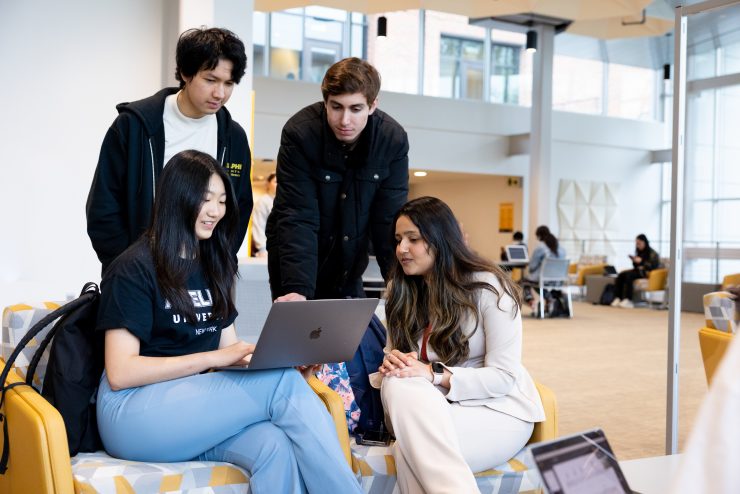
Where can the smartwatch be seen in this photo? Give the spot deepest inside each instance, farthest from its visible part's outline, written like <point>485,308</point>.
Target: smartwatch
<point>438,372</point>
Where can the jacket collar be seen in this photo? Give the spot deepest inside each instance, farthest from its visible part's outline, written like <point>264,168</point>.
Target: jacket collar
<point>150,110</point>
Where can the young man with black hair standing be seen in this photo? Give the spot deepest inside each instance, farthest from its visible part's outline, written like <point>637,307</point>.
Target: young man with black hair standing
<point>148,132</point>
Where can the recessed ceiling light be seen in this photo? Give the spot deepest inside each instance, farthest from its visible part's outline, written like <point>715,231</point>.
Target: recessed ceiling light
<point>420,174</point>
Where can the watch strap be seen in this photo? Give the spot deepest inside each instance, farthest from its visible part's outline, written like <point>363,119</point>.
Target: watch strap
<point>437,376</point>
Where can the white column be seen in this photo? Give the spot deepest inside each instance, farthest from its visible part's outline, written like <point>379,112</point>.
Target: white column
<point>542,209</point>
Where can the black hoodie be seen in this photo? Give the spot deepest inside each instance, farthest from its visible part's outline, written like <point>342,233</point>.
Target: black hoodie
<point>121,199</point>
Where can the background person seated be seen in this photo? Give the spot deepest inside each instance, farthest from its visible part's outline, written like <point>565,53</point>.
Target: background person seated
<point>548,246</point>
<point>517,239</point>
<point>644,261</point>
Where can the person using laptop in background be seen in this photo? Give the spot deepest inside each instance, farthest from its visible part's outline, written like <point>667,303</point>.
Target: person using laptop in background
<point>453,385</point>
<point>516,239</point>
<point>148,132</point>
<point>167,309</point>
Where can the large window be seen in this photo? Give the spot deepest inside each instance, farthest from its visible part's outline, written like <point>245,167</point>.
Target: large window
<point>441,54</point>
<point>712,238</point>
<point>461,68</point>
<point>304,42</point>
<point>577,85</point>
<point>505,62</point>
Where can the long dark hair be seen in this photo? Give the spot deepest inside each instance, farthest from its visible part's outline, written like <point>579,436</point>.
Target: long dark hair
<point>643,253</point>
<point>180,195</point>
<point>448,294</point>
<point>543,234</point>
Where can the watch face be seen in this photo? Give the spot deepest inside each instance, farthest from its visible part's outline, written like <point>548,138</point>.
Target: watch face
<point>437,368</point>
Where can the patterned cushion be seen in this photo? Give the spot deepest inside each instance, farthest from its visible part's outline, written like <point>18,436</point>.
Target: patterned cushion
<point>720,312</point>
<point>17,320</point>
<point>377,471</point>
<point>100,473</point>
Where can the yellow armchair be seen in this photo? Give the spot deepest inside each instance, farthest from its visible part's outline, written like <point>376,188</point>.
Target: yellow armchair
<point>657,279</point>
<point>39,461</point>
<point>580,279</point>
<point>548,429</point>
<point>713,344</point>
<point>729,280</point>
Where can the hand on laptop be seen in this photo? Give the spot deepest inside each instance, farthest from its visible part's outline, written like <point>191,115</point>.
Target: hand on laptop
<point>239,353</point>
<point>291,297</point>
<point>308,370</point>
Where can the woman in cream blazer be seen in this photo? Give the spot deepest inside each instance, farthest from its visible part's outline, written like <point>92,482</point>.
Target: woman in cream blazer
<point>454,389</point>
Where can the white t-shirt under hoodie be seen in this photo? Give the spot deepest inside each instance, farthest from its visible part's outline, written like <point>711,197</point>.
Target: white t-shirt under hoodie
<point>181,132</point>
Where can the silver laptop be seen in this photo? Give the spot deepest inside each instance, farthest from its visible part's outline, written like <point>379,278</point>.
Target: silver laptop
<point>517,253</point>
<point>583,463</point>
<point>311,332</point>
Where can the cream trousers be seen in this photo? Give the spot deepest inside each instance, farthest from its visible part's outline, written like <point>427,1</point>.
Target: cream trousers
<point>440,444</point>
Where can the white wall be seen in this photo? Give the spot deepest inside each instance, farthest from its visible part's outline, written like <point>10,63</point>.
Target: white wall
<point>65,67</point>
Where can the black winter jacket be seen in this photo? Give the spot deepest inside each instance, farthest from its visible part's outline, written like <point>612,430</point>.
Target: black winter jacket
<point>121,198</point>
<point>318,231</point>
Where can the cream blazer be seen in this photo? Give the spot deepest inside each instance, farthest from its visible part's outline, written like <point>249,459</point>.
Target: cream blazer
<point>493,374</point>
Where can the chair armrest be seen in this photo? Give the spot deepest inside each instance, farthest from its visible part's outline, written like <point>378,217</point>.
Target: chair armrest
<point>657,279</point>
<point>39,458</point>
<point>589,270</point>
<point>334,404</point>
<point>548,429</point>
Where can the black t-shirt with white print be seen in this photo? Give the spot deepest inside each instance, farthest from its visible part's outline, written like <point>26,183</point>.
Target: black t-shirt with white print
<point>130,298</point>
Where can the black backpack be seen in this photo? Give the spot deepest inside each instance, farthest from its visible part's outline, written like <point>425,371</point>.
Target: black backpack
<point>75,365</point>
<point>607,296</point>
<point>557,307</point>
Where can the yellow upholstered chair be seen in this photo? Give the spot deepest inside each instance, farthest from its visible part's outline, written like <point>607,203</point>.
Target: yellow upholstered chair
<point>578,275</point>
<point>544,431</point>
<point>713,344</point>
<point>721,323</point>
<point>729,280</point>
<point>39,461</point>
<point>377,462</point>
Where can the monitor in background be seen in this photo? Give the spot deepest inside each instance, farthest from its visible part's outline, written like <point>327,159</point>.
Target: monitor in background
<point>517,254</point>
<point>583,463</point>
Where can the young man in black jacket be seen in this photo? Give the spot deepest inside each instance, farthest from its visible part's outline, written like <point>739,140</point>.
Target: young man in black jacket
<point>148,132</point>
<point>343,173</point>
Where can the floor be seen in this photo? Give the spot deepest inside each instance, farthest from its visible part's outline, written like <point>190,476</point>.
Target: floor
<point>607,367</point>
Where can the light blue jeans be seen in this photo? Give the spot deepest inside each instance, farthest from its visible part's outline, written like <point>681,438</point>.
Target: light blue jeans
<point>268,422</point>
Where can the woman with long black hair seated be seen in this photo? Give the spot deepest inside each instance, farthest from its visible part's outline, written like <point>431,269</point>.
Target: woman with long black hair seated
<point>167,309</point>
<point>458,398</point>
<point>644,261</point>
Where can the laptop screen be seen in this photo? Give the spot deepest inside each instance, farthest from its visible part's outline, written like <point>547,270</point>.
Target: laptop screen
<point>580,464</point>
<point>517,253</point>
